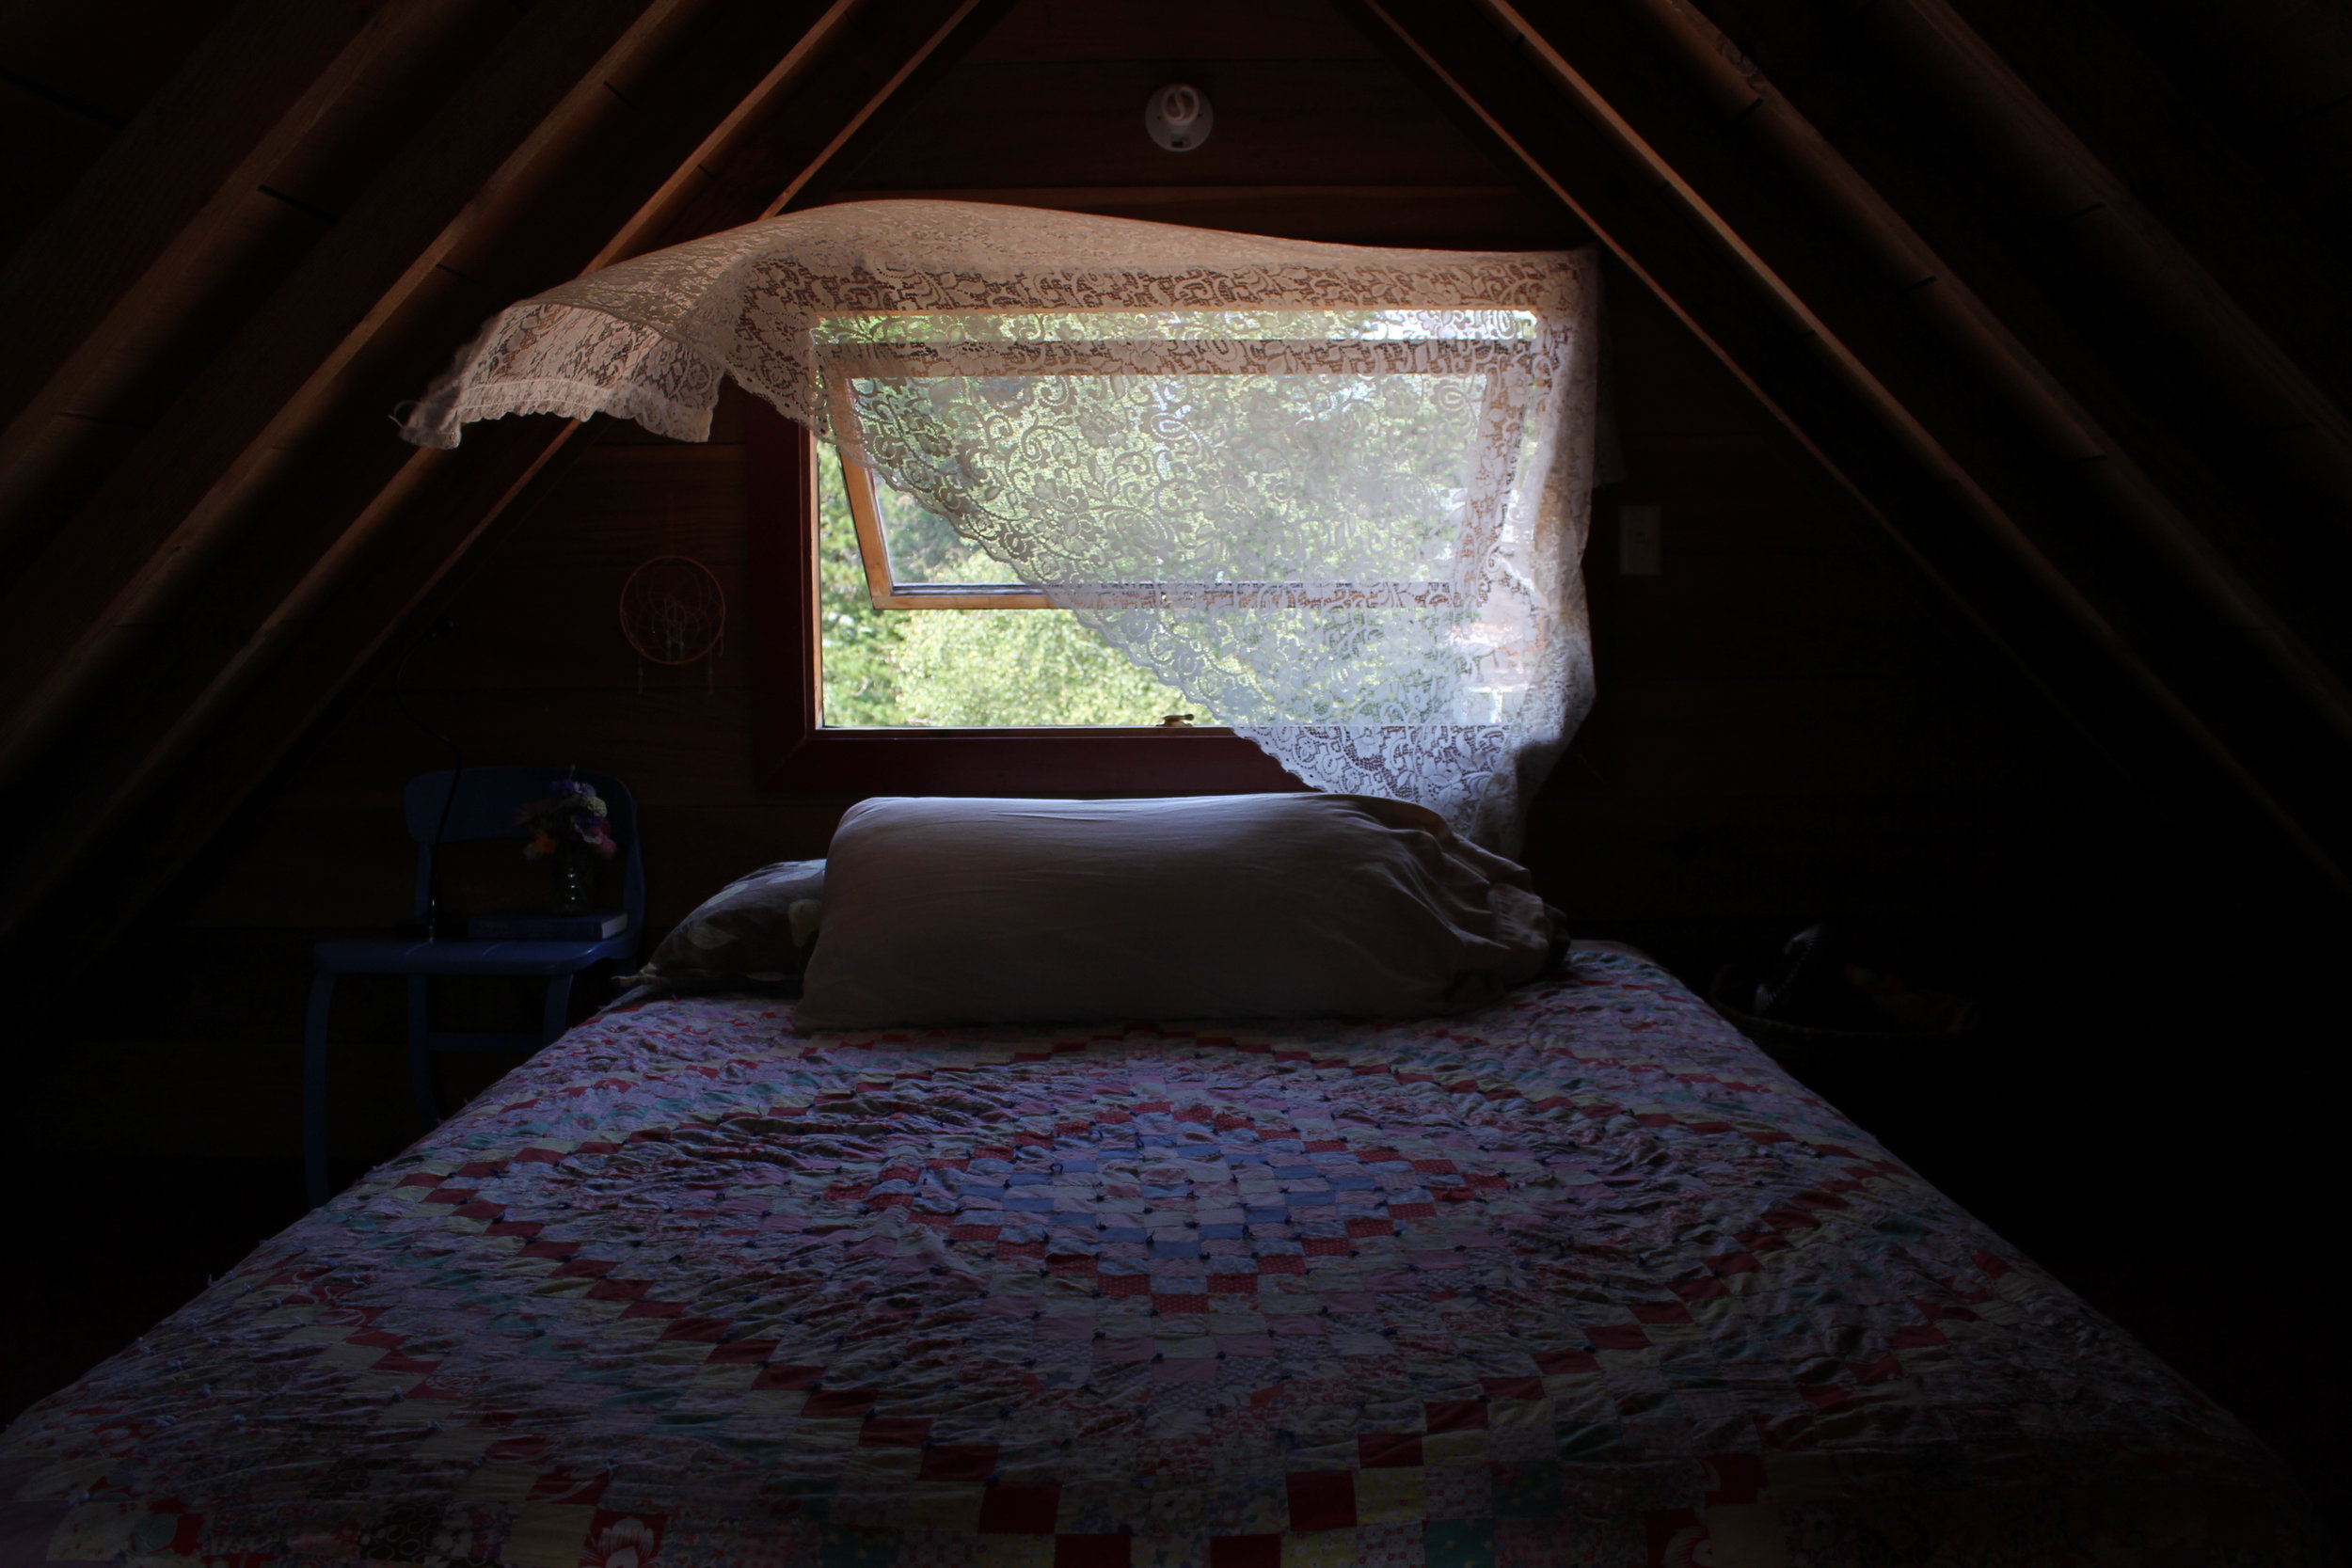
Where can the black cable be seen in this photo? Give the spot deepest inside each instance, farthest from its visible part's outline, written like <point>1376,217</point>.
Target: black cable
<point>441,627</point>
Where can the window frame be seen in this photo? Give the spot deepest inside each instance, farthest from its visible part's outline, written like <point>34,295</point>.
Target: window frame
<point>793,753</point>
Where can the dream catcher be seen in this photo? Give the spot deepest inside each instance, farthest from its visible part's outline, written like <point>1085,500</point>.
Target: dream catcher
<point>673,613</point>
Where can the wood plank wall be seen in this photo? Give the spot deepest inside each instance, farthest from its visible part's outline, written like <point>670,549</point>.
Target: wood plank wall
<point>1791,721</point>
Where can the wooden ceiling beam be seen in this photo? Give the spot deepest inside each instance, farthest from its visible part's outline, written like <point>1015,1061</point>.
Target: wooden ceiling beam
<point>2167,141</point>
<point>90,704</point>
<point>306,535</point>
<point>169,189</point>
<point>2107,494</point>
<point>2102,497</point>
<point>195,762</point>
<point>1814,305</point>
<point>2255,451</point>
<point>656,222</point>
<point>155,517</point>
<point>880,54</point>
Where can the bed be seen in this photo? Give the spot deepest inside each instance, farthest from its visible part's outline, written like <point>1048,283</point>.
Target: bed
<point>1581,1277</point>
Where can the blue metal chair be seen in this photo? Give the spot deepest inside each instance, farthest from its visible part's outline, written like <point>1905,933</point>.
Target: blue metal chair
<point>484,807</point>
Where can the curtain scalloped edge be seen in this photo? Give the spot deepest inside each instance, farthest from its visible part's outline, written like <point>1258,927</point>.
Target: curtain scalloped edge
<point>573,401</point>
<point>607,357</point>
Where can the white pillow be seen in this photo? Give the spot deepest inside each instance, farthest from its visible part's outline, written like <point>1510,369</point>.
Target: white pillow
<point>949,911</point>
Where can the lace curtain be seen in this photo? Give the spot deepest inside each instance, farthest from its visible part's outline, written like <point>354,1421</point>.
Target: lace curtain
<point>1334,495</point>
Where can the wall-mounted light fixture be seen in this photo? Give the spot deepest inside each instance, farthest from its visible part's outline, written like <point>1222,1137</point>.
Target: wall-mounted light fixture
<point>1178,116</point>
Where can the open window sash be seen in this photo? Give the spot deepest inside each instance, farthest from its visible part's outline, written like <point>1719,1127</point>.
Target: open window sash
<point>854,370</point>
<point>882,583</point>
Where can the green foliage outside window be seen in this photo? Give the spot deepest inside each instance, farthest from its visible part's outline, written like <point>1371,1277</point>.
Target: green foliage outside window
<point>940,667</point>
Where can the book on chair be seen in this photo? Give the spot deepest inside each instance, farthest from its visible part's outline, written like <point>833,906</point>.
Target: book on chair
<point>539,926</point>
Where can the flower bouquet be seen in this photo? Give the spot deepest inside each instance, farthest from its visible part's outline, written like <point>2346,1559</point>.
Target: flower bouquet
<point>570,826</point>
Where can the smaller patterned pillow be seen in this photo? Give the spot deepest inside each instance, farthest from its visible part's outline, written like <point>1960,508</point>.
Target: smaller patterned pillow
<point>755,933</point>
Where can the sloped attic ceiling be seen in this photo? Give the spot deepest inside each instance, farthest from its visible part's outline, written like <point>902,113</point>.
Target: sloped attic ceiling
<point>2037,282</point>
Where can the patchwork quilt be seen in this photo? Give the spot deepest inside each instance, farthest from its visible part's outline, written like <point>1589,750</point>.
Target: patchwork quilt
<point>1582,1278</point>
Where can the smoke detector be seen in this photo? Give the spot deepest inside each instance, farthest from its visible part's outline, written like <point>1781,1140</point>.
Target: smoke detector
<point>1178,116</point>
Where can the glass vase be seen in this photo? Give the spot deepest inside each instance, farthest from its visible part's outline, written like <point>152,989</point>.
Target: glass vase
<point>574,881</point>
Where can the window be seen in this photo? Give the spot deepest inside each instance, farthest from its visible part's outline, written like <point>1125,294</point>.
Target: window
<point>796,751</point>
<point>916,628</point>
<point>1240,460</point>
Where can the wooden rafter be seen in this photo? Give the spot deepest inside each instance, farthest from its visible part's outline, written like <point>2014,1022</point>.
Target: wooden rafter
<point>881,55</point>
<point>1812,290</point>
<point>161,198</point>
<point>376,549</point>
<point>76,611</point>
<point>2181,371</point>
<point>2102,492</point>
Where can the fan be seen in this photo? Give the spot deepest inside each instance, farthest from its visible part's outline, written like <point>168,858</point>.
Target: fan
<point>673,612</point>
